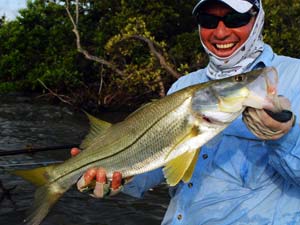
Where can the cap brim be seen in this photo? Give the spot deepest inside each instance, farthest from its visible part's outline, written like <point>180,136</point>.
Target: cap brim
<point>240,6</point>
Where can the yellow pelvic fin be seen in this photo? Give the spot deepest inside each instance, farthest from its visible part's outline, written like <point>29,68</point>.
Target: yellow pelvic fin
<point>189,172</point>
<point>181,167</point>
<point>97,127</point>
<point>37,176</point>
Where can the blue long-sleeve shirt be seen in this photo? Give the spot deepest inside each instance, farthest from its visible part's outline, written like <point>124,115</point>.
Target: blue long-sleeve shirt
<point>240,179</point>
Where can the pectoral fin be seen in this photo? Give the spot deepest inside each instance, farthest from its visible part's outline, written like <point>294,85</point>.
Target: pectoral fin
<point>181,167</point>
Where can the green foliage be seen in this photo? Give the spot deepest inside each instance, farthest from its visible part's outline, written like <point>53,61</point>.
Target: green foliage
<point>40,44</point>
<point>282,26</point>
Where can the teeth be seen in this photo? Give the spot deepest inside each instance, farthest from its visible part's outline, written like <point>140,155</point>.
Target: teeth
<point>224,46</point>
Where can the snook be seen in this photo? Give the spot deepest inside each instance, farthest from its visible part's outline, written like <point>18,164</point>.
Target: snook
<point>166,133</point>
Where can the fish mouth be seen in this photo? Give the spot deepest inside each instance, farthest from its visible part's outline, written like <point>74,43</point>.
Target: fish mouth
<point>263,90</point>
<point>258,93</point>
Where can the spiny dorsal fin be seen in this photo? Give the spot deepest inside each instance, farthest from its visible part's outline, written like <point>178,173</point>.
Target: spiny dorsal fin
<point>97,127</point>
<point>177,168</point>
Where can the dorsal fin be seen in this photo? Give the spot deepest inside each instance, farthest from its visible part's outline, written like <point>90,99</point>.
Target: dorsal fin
<point>181,167</point>
<point>97,127</point>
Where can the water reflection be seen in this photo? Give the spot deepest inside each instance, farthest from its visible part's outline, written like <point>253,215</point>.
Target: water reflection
<point>23,121</point>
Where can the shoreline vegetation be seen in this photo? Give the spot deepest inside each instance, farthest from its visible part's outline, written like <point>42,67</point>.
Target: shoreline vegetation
<point>109,55</point>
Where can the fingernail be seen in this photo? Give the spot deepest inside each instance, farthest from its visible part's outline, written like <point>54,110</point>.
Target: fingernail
<point>116,180</point>
<point>101,176</point>
<point>75,151</point>
<point>89,175</point>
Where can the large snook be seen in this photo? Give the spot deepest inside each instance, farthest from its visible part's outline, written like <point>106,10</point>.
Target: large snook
<point>165,133</point>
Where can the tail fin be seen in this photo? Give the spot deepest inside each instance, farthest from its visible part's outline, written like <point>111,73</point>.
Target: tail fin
<point>45,197</point>
<point>38,176</point>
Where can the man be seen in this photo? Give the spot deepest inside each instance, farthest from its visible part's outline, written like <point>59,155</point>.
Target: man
<point>252,175</point>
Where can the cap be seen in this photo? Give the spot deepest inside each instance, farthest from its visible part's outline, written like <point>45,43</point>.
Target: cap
<point>240,6</point>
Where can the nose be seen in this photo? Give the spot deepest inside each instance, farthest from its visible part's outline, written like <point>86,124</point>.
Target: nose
<point>221,31</point>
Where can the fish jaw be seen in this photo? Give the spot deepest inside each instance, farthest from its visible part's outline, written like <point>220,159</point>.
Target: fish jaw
<point>263,91</point>
<point>225,100</point>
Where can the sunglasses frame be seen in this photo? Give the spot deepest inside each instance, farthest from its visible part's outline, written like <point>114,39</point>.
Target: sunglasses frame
<point>241,19</point>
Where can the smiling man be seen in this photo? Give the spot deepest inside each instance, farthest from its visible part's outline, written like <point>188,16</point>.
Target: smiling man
<point>251,174</point>
<point>230,34</point>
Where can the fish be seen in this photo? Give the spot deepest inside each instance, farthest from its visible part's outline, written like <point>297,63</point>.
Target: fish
<point>167,133</point>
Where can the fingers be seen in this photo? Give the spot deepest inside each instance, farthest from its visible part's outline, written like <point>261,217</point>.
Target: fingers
<point>278,103</point>
<point>284,102</point>
<point>96,179</point>
<point>116,183</point>
<point>254,122</point>
<point>102,187</point>
<point>85,180</point>
<point>264,126</point>
<point>75,151</point>
<point>116,180</point>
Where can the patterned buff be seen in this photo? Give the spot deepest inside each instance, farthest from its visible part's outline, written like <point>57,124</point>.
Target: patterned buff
<point>239,61</point>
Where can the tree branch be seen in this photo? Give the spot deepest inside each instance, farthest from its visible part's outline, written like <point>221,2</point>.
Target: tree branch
<point>62,98</point>
<point>82,50</point>
<point>159,56</point>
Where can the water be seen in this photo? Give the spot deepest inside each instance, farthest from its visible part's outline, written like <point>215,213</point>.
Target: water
<point>27,121</point>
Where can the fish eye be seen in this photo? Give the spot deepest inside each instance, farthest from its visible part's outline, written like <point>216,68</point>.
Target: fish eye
<point>239,78</point>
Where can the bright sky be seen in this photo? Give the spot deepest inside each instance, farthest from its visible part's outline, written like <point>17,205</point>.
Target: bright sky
<point>10,8</point>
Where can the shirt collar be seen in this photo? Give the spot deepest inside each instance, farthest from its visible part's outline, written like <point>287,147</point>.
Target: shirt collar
<point>264,59</point>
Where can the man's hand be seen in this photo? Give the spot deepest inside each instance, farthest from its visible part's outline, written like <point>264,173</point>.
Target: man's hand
<point>95,178</point>
<point>265,125</point>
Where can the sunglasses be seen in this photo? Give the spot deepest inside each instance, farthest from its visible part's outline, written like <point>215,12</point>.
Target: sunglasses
<point>231,20</point>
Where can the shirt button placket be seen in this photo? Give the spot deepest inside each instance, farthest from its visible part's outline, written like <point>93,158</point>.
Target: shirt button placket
<point>179,216</point>
<point>204,156</point>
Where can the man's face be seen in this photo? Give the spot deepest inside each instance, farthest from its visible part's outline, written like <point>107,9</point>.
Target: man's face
<point>223,41</point>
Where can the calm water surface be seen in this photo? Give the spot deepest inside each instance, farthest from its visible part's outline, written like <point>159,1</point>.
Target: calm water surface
<point>27,121</point>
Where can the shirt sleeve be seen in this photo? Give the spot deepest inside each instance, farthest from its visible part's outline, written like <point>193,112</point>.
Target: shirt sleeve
<point>284,155</point>
<point>143,182</point>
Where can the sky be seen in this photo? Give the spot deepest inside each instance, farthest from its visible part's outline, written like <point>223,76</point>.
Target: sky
<point>10,8</point>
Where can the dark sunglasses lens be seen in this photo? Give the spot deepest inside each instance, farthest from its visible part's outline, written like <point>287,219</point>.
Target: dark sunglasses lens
<point>207,21</point>
<point>231,20</point>
<point>235,20</point>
